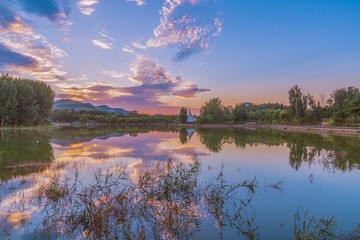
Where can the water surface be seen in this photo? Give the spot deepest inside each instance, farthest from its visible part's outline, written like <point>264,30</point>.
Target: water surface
<point>294,172</point>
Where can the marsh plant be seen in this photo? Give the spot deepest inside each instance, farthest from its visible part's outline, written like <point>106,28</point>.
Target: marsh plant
<point>321,228</point>
<point>169,203</point>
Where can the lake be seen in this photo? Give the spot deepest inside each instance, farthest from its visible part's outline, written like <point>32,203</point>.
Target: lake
<point>218,184</point>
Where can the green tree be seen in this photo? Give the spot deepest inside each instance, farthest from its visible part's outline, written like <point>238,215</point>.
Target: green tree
<point>27,111</point>
<point>341,98</point>
<point>213,110</point>
<point>298,102</point>
<point>183,115</point>
<point>240,113</point>
<point>8,100</point>
<point>44,100</point>
<point>24,101</point>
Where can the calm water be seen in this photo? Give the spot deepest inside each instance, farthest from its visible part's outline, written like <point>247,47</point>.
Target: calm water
<point>294,171</point>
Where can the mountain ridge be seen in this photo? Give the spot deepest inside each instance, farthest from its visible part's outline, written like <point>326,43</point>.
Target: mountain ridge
<point>77,106</point>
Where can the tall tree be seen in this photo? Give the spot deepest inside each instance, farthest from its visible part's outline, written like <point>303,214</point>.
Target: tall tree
<point>298,102</point>
<point>183,115</point>
<point>240,112</point>
<point>8,100</point>
<point>341,98</point>
<point>24,102</point>
<point>213,110</point>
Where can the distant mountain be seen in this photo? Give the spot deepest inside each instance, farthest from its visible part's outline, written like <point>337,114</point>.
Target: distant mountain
<point>113,110</point>
<point>77,106</point>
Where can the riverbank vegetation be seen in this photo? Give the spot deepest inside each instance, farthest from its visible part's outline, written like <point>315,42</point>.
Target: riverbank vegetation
<point>342,108</point>
<point>24,102</point>
<point>92,116</point>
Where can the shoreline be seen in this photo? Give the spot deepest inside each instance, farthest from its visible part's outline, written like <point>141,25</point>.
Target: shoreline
<point>289,128</point>
<point>312,129</point>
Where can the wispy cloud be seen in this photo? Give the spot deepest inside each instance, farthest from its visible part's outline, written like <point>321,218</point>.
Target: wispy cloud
<point>128,50</point>
<point>105,42</point>
<point>138,2</point>
<point>115,74</point>
<point>85,6</point>
<point>26,53</point>
<point>82,77</point>
<point>188,24</point>
<point>189,91</point>
<point>101,43</point>
<point>155,83</point>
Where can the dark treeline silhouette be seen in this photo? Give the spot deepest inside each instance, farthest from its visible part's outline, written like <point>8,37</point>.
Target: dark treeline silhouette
<point>24,102</point>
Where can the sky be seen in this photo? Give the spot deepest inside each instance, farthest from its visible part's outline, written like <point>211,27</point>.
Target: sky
<point>155,56</point>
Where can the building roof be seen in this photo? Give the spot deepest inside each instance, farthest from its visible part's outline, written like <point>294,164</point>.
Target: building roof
<point>190,118</point>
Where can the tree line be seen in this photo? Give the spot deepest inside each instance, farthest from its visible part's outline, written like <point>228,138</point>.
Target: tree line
<point>342,108</point>
<point>24,102</point>
<point>86,116</point>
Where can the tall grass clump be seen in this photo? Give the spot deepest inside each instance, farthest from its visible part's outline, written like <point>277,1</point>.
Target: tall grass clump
<point>163,204</point>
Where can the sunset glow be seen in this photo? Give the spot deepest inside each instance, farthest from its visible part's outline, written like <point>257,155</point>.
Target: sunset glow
<point>158,56</point>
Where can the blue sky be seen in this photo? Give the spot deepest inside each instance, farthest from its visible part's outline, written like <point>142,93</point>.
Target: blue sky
<point>156,56</point>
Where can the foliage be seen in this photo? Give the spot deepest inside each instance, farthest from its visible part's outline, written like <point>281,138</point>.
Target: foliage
<point>212,111</point>
<point>162,204</point>
<point>241,113</point>
<point>24,102</point>
<point>183,115</point>
<point>298,102</point>
<point>22,147</point>
<point>85,116</point>
<point>215,112</point>
<point>343,107</point>
<point>325,228</point>
<point>337,152</point>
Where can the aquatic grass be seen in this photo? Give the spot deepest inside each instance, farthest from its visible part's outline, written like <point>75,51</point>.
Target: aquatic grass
<point>321,228</point>
<point>230,207</point>
<point>163,203</point>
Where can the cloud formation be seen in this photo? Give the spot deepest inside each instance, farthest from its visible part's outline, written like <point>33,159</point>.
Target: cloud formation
<point>187,24</point>
<point>85,6</point>
<point>105,42</point>
<point>101,43</point>
<point>24,52</point>
<point>28,53</point>
<point>154,83</point>
<point>114,74</point>
<point>54,10</point>
<point>10,58</point>
<point>128,50</point>
<point>138,2</point>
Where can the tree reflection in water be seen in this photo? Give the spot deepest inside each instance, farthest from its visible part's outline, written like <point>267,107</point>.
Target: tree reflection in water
<point>171,202</point>
<point>332,152</point>
<point>24,152</point>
